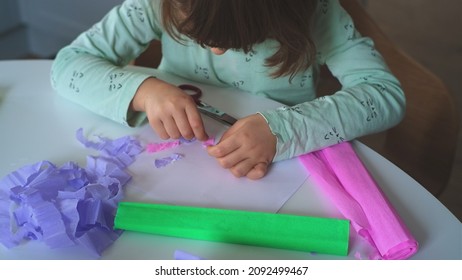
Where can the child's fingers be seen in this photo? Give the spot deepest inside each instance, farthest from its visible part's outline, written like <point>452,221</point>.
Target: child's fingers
<point>223,148</point>
<point>232,159</point>
<point>242,168</point>
<point>195,123</point>
<point>183,125</point>
<point>248,168</point>
<point>158,127</point>
<point>258,171</point>
<point>171,128</point>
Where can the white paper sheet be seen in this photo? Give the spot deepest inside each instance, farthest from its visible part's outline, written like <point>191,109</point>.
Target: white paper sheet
<point>199,180</point>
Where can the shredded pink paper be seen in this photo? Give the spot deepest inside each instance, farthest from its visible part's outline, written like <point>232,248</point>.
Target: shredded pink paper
<point>161,146</point>
<point>157,147</point>
<point>346,181</point>
<point>209,142</point>
<point>68,205</point>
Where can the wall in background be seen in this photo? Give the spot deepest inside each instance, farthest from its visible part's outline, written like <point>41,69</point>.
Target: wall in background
<point>13,35</point>
<point>42,27</point>
<point>53,24</point>
<point>429,31</point>
<point>9,15</point>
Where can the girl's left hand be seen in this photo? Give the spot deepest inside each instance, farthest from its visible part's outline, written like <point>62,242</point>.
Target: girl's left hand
<point>247,148</point>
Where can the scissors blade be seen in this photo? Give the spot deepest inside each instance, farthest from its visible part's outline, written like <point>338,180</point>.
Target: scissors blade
<point>215,114</point>
<point>227,119</point>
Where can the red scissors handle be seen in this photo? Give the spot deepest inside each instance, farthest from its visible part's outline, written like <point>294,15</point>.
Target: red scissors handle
<point>193,91</point>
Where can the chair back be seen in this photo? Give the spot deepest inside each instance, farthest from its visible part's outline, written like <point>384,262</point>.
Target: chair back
<point>425,142</point>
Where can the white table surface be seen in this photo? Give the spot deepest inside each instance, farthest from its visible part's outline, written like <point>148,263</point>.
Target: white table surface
<point>36,124</point>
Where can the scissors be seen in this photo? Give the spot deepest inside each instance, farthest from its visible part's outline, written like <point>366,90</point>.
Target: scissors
<point>206,109</point>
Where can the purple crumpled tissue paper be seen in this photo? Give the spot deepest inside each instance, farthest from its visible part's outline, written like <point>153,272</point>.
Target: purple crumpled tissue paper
<point>183,255</point>
<point>162,162</point>
<point>68,205</point>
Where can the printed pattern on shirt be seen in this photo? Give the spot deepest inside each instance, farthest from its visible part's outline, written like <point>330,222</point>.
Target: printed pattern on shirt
<point>202,71</point>
<point>75,81</point>
<point>295,108</point>
<point>334,135</point>
<point>351,32</point>
<point>249,56</point>
<point>94,30</point>
<point>324,6</point>
<point>238,84</point>
<point>115,81</point>
<point>136,13</point>
<point>306,78</point>
<point>382,88</point>
<point>371,111</point>
<point>374,52</point>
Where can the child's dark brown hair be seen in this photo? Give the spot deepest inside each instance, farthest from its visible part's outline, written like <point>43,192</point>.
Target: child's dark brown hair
<point>239,24</point>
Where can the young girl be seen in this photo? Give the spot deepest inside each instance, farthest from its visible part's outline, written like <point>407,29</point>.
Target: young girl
<point>271,48</point>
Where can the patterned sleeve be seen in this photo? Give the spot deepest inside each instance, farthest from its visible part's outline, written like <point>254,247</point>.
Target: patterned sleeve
<point>371,99</point>
<point>90,71</point>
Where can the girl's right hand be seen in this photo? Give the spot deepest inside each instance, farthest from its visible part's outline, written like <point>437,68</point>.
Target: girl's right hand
<point>171,112</point>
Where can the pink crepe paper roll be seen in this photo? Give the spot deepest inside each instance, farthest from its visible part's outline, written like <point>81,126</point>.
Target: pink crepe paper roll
<point>344,178</point>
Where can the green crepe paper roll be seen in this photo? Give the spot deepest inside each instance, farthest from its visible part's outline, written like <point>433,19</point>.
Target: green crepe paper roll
<point>302,233</point>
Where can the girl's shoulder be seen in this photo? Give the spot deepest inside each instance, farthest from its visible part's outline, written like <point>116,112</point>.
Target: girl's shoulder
<point>332,27</point>
<point>328,9</point>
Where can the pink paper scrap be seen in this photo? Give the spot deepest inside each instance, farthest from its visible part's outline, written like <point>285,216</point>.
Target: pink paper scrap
<point>161,146</point>
<point>209,142</point>
<point>345,180</point>
<point>157,147</point>
<point>68,205</point>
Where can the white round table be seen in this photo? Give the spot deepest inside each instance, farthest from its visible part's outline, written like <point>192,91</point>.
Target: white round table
<point>37,124</point>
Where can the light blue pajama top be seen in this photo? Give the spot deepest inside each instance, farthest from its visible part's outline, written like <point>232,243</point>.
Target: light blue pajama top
<point>90,71</point>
